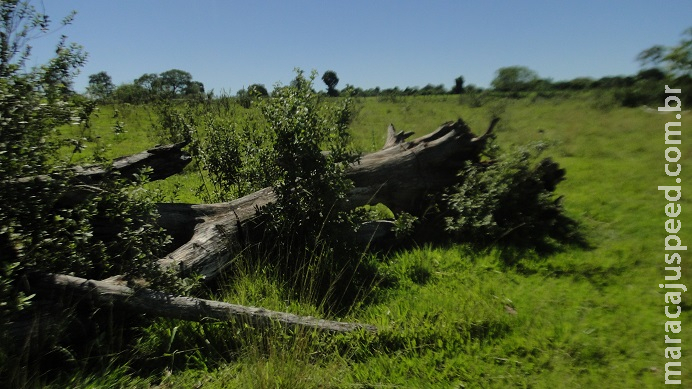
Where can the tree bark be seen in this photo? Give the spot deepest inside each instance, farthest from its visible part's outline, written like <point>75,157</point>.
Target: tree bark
<point>403,173</point>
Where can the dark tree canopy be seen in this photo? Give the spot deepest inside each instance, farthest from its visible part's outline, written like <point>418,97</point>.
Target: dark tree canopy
<point>151,82</point>
<point>100,86</point>
<point>256,90</point>
<point>331,80</point>
<point>193,88</point>
<point>175,81</point>
<point>458,86</point>
<point>514,79</point>
<point>172,83</point>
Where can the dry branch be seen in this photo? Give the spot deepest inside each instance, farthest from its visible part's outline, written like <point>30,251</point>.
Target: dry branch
<point>160,304</point>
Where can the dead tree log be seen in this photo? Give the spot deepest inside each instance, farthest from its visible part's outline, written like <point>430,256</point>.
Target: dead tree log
<point>403,173</point>
<point>158,304</point>
<point>399,176</point>
<point>164,161</point>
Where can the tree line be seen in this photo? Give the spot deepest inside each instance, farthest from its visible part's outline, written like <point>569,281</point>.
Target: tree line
<point>171,84</point>
<point>658,63</point>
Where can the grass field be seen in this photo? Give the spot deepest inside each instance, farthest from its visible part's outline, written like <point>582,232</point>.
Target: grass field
<point>581,318</point>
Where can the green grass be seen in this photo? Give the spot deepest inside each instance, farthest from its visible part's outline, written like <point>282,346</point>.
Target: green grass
<point>452,317</point>
<point>101,138</point>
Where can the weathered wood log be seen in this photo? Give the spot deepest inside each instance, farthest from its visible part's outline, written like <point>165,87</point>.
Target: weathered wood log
<point>394,138</point>
<point>402,174</point>
<point>218,236</point>
<point>164,161</point>
<point>158,304</point>
<point>399,176</point>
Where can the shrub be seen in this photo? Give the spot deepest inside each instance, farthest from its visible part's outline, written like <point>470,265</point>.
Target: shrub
<point>510,201</point>
<point>310,153</point>
<point>44,226</point>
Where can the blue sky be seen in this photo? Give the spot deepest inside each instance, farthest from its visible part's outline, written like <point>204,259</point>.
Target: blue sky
<point>228,44</point>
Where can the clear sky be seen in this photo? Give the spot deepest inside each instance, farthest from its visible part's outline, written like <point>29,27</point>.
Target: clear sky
<point>228,44</point>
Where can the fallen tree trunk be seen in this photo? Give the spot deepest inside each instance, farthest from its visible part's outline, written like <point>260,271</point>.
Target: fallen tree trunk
<point>160,304</point>
<point>163,162</point>
<point>400,176</point>
<point>403,173</point>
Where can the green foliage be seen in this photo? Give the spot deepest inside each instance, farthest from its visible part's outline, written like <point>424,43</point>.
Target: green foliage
<point>174,81</point>
<point>676,59</point>
<point>130,94</point>
<point>234,153</point>
<point>151,87</point>
<point>245,97</point>
<point>100,86</point>
<point>510,201</point>
<point>173,125</point>
<point>310,183</point>
<point>331,80</point>
<point>258,90</point>
<point>30,109</point>
<point>514,79</point>
<point>48,222</point>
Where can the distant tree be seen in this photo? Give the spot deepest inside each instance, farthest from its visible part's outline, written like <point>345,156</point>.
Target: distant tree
<point>245,97</point>
<point>651,74</point>
<point>100,86</point>
<point>431,89</point>
<point>411,91</point>
<point>514,79</point>
<point>614,82</point>
<point>131,94</point>
<point>581,83</point>
<point>331,80</point>
<point>257,90</point>
<point>472,88</point>
<point>351,90</point>
<point>194,88</point>
<point>175,82</point>
<point>171,83</point>
<point>150,83</point>
<point>676,59</point>
<point>458,86</point>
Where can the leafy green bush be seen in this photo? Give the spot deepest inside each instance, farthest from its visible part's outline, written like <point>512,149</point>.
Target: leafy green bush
<point>49,223</point>
<point>510,201</point>
<point>310,155</point>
